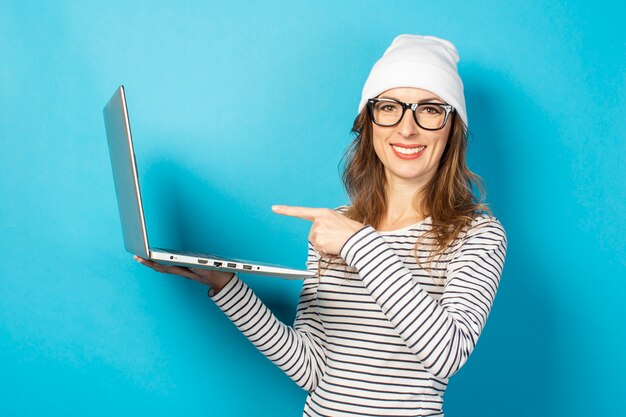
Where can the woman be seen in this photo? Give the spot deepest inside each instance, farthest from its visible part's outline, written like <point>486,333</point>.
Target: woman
<point>407,274</point>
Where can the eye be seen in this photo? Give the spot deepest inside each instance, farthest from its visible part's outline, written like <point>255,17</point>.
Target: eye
<point>430,109</point>
<point>388,107</point>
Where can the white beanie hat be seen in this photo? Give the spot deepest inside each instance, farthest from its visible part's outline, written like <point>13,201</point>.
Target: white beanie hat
<point>424,62</point>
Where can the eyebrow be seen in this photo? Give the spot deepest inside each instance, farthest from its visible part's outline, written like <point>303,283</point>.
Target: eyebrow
<point>424,100</point>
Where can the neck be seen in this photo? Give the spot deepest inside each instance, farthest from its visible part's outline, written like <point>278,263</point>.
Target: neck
<point>401,210</point>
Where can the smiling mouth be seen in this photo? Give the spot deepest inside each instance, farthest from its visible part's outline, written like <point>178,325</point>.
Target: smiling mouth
<point>408,150</point>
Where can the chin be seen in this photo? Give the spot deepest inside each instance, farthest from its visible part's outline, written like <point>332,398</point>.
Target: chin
<point>410,176</point>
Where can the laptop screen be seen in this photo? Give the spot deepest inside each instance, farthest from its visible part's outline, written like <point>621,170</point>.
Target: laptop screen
<point>125,176</point>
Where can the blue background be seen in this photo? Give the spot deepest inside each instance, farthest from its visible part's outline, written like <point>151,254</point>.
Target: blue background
<point>84,330</point>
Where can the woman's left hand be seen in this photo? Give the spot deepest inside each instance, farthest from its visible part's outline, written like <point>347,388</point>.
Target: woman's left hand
<point>330,229</point>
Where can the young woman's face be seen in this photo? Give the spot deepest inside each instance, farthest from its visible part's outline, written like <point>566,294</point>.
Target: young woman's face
<point>390,142</point>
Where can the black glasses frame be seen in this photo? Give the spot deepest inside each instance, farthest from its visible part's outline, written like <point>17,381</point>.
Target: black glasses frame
<point>413,106</point>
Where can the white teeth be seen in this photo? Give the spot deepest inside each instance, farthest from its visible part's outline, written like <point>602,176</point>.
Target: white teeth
<point>408,151</point>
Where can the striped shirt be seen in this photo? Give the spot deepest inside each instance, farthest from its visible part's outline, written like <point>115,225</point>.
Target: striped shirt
<point>378,334</point>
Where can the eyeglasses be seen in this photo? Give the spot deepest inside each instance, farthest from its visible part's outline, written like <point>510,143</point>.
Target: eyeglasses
<point>387,112</point>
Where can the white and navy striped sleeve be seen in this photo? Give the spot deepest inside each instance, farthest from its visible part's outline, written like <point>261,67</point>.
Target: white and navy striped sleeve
<point>299,350</point>
<point>441,334</point>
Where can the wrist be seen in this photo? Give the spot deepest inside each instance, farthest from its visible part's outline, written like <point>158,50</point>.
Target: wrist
<point>215,288</point>
<point>348,242</point>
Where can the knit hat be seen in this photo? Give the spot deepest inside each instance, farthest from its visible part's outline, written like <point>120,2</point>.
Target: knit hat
<point>424,62</point>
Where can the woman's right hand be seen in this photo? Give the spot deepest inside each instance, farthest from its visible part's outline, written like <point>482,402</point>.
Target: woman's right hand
<point>214,279</point>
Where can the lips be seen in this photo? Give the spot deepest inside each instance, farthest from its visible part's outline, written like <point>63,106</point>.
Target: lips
<point>408,151</point>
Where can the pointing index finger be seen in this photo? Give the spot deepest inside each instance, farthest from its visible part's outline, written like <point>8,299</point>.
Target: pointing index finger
<point>306,213</point>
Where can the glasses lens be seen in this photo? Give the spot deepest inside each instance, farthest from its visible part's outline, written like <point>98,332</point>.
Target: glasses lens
<point>387,113</point>
<point>430,116</point>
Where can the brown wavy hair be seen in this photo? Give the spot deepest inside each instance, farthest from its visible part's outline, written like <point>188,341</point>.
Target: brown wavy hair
<point>448,197</point>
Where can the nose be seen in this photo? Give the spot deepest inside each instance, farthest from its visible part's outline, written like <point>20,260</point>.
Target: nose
<point>407,126</point>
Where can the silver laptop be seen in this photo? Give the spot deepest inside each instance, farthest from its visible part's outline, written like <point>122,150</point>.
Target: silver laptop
<point>131,209</point>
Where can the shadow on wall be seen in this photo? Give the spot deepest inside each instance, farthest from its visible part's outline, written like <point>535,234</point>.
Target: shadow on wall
<point>516,355</point>
<point>187,212</point>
